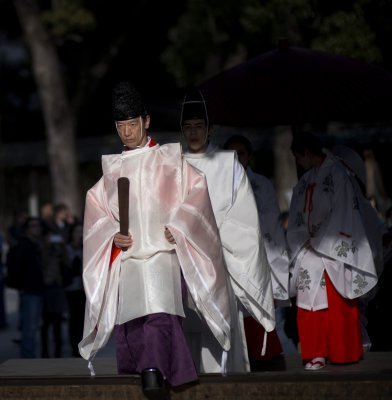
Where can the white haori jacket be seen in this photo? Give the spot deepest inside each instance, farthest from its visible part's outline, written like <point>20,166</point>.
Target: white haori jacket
<point>165,191</point>
<point>236,215</point>
<point>273,234</point>
<point>326,233</point>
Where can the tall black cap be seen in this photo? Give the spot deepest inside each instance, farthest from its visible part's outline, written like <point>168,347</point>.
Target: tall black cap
<point>127,102</point>
<point>194,106</point>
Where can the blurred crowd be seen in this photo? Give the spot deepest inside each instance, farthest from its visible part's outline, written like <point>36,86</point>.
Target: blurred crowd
<point>43,262</point>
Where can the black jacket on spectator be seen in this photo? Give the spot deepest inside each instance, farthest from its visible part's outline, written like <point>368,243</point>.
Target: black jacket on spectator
<point>25,267</point>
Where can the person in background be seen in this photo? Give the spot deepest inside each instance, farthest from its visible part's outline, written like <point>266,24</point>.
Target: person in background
<point>376,228</point>
<point>76,297</point>
<point>25,266</point>
<point>14,234</point>
<point>15,231</point>
<point>60,224</point>
<point>235,212</point>
<point>56,274</point>
<point>273,233</point>
<point>46,215</point>
<point>331,258</point>
<point>3,314</point>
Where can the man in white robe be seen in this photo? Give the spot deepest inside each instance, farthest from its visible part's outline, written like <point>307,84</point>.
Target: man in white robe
<point>273,234</point>
<point>331,257</point>
<point>235,211</point>
<point>138,290</point>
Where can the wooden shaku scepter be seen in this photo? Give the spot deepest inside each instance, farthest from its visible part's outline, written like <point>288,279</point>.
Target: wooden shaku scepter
<point>123,205</point>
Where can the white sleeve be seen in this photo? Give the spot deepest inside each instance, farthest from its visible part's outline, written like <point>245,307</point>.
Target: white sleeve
<point>238,174</point>
<point>245,255</point>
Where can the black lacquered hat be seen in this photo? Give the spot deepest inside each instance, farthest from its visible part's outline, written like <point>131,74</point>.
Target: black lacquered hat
<point>194,106</point>
<point>127,103</point>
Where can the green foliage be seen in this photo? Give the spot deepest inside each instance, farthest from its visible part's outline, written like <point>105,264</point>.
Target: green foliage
<point>68,20</point>
<point>348,33</point>
<point>209,36</point>
<point>265,22</point>
<point>199,34</point>
<point>212,35</point>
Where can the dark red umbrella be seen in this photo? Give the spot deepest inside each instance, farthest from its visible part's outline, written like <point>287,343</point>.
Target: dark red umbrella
<point>296,85</point>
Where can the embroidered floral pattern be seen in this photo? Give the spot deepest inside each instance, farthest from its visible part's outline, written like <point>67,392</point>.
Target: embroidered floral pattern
<point>279,293</point>
<point>299,220</point>
<point>322,282</point>
<point>303,280</point>
<point>328,185</point>
<point>284,252</point>
<point>344,248</point>
<point>360,282</point>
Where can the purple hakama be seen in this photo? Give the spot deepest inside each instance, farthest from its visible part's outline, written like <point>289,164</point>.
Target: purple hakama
<point>155,341</point>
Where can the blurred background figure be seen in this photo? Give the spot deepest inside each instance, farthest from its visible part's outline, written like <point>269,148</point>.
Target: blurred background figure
<point>15,230</point>
<point>56,276</point>
<point>328,235</point>
<point>3,315</point>
<point>375,225</point>
<point>236,216</point>
<point>14,234</point>
<point>375,186</point>
<point>46,213</point>
<point>75,292</point>
<point>25,265</point>
<point>61,222</point>
<point>272,231</point>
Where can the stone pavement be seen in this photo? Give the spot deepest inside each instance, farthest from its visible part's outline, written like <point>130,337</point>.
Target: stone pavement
<point>59,379</point>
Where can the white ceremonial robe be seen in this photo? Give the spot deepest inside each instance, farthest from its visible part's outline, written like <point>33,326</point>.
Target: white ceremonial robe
<point>276,249</point>
<point>273,233</point>
<point>375,227</point>
<point>326,233</point>
<point>165,191</point>
<point>235,211</point>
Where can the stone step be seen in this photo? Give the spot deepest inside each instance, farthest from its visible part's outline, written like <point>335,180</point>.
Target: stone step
<point>59,379</point>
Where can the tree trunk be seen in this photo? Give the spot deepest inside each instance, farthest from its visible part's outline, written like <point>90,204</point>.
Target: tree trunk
<point>58,115</point>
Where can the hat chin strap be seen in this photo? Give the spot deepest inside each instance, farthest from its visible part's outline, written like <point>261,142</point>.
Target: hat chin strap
<point>206,139</point>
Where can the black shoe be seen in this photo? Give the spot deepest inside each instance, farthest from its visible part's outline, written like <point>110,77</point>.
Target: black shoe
<point>153,384</point>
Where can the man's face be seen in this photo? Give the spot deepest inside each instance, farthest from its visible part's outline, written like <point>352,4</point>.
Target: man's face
<point>242,153</point>
<point>195,133</point>
<point>132,132</point>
